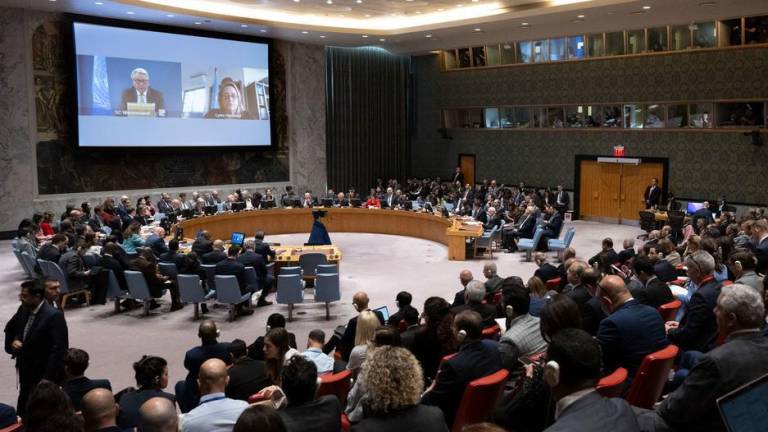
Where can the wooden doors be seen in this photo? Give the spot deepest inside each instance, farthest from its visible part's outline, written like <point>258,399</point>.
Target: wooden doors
<point>613,192</point>
<point>467,164</point>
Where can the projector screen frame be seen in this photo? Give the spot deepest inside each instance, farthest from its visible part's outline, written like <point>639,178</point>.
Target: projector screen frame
<point>70,58</point>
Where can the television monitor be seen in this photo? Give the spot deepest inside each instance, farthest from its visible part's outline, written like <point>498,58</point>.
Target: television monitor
<point>164,87</point>
<point>327,202</point>
<point>746,408</point>
<point>268,204</point>
<point>384,204</point>
<point>238,238</point>
<point>694,207</point>
<point>210,210</point>
<point>187,213</point>
<point>238,206</point>
<point>384,312</point>
<point>355,202</point>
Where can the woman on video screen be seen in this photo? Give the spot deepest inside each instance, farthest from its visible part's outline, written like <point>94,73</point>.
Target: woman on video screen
<point>230,103</point>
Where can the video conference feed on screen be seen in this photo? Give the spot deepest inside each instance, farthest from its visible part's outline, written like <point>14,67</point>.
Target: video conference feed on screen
<point>139,88</point>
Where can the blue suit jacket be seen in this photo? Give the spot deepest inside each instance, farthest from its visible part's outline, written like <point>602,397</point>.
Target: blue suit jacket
<point>474,360</point>
<point>157,245</point>
<point>631,332</point>
<point>698,328</point>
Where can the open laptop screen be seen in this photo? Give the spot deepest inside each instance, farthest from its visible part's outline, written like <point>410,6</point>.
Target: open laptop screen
<point>238,238</point>
<point>746,408</point>
<point>384,312</point>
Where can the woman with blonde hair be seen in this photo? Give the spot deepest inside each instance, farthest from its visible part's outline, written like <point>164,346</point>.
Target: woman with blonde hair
<point>395,382</point>
<point>539,294</point>
<point>231,104</point>
<point>366,328</point>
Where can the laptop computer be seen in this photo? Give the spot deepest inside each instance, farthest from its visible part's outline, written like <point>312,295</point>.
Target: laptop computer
<point>238,238</point>
<point>694,207</point>
<point>384,312</point>
<point>746,408</point>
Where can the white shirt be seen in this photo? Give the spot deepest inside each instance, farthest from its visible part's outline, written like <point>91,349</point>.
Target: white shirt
<point>140,95</point>
<point>215,413</point>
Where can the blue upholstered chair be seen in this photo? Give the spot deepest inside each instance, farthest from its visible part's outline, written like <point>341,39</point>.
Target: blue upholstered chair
<point>228,292</point>
<point>327,290</point>
<point>560,246</point>
<point>191,291</point>
<point>138,289</point>
<point>290,291</point>
<point>327,269</point>
<point>486,241</point>
<point>529,245</point>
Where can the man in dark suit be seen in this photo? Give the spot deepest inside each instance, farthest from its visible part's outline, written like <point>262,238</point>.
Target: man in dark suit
<point>631,331</point>
<point>606,256</point>
<point>741,359</point>
<point>562,199</point>
<point>546,271</point>
<point>478,213</point>
<point>572,372</point>
<point>71,263</point>
<point>187,392</point>
<point>524,228</point>
<point>53,250</point>
<point>704,213</point>
<point>37,337</point>
<point>304,412</point>
<point>583,280</point>
<point>476,358</point>
<point>654,292</point>
<point>215,256</point>
<point>458,176</point>
<point>246,376</point>
<point>203,244</point>
<point>652,195</point>
<point>698,328</point>
<point>360,302</point>
<point>141,93</point>
<point>173,255</point>
<point>459,298</point>
<point>405,312</point>
<point>77,384</point>
<point>250,258</point>
<point>492,220</point>
<point>628,252</point>
<point>262,248</point>
<point>232,267</point>
<point>760,245</point>
<point>474,294</point>
<point>156,242</point>
<point>723,207</point>
<point>109,260</point>
<point>551,230</point>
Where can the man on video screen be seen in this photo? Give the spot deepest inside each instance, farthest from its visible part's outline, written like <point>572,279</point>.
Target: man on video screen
<point>141,93</point>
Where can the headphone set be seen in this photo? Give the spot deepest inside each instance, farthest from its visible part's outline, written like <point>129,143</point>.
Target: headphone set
<point>509,311</point>
<point>461,336</point>
<point>551,374</point>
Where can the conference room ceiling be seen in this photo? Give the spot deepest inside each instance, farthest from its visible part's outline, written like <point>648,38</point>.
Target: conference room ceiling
<point>406,26</point>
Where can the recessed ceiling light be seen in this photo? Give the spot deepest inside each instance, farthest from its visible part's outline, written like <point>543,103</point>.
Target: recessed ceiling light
<point>524,24</point>
<point>428,36</point>
<point>440,10</point>
<point>170,15</point>
<point>197,23</point>
<point>304,32</point>
<point>579,16</point>
<point>418,12</point>
<point>263,30</point>
<point>367,15</point>
<point>459,5</point>
<point>478,29</point>
<point>475,1</point>
<point>98,3</point>
<point>358,1</point>
<point>365,36</point>
<point>130,12</point>
<point>646,7</point>
<point>382,40</point>
<point>52,1</point>
<point>329,1</point>
<point>296,1</point>
<point>244,25</point>
<point>322,36</point>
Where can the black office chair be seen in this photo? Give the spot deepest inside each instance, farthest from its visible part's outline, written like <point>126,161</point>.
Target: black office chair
<point>647,223</point>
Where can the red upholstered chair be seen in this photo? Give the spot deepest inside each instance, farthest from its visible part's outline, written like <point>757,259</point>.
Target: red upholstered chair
<point>553,284</point>
<point>493,332</point>
<point>337,384</point>
<point>337,355</point>
<point>13,428</point>
<point>669,310</point>
<point>346,425</point>
<point>442,362</point>
<point>650,378</point>
<point>496,298</point>
<point>479,399</point>
<point>613,384</point>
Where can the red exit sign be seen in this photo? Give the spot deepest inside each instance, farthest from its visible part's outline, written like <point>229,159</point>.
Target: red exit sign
<point>618,151</point>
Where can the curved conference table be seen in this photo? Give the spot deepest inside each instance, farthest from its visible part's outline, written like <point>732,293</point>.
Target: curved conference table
<point>299,220</point>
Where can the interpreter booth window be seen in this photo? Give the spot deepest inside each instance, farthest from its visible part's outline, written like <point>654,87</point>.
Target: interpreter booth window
<point>701,115</point>
<point>555,117</point>
<point>582,116</point>
<point>596,45</point>
<point>576,48</point>
<point>557,49</point>
<point>493,57</point>
<point>478,57</point>
<point>704,34</point>
<point>524,50</point>
<point>539,117</point>
<point>729,32</point>
<point>612,116</point>
<point>636,41</point>
<point>634,116</point>
<point>540,51</point>
<point>677,116</point>
<point>680,37</point>
<point>654,116</point>
<point>451,61</point>
<point>465,60</point>
<point>657,39</point>
<point>741,114</point>
<point>507,117</point>
<point>614,43</point>
<point>756,30</point>
<point>491,116</point>
<point>508,53</point>
<point>523,118</point>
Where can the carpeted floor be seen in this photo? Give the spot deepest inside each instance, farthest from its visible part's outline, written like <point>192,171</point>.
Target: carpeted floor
<point>378,264</point>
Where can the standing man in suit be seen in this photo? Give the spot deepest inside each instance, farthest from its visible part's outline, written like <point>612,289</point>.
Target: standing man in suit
<point>652,195</point>
<point>631,331</point>
<point>141,93</point>
<point>37,337</point>
<point>77,384</point>
<point>562,199</point>
<point>476,358</point>
<point>572,372</point>
<point>458,176</point>
<point>760,242</point>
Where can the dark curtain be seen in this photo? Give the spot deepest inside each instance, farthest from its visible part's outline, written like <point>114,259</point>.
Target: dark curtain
<point>366,117</point>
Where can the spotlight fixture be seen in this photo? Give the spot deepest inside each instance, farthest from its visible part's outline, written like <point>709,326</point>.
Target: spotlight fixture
<point>579,16</point>
<point>382,40</point>
<point>365,36</point>
<point>304,32</point>
<point>428,36</point>
<point>646,7</point>
<point>322,36</point>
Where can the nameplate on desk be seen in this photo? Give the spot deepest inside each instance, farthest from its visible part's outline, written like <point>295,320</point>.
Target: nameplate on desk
<point>631,161</point>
